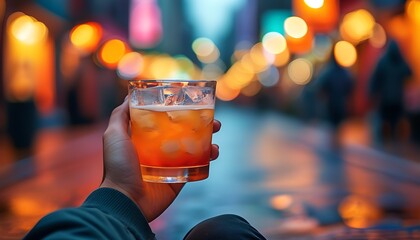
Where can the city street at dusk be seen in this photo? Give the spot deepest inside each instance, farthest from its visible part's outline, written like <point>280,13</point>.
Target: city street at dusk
<point>318,100</point>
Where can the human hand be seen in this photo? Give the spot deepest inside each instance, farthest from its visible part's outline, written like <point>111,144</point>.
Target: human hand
<point>122,169</point>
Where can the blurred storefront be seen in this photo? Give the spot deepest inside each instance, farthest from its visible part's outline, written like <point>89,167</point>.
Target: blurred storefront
<point>71,58</point>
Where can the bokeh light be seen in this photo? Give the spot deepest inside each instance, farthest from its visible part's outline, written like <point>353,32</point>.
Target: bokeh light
<point>359,212</point>
<point>260,58</point>
<point>298,36</point>
<point>357,26</point>
<point>206,50</point>
<point>86,37</point>
<point>345,53</point>
<point>145,24</point>
<point>300,71</point>
<point>274,43</point>
<point>314,3</point>
<point>212,71</point>
<point>186,67</point>
<point>378,38</point>
<point>321,16</point>
<point>203,46</point>
<point>237,77</point>
<point>252,89</point>
<point>413,10</point>
<point>28,30</point>
<point>224,92</point>
<point>130,66</point>
<point>111,52</point>
<point>282,58</point>
<point>29,62</point>
<point>270,77</point>
<point>295,27</point>
<point>169,71</point>
<point>281,202</point>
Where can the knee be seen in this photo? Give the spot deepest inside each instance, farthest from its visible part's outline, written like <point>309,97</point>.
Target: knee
<point>224,227</point>
<point>228,218</point>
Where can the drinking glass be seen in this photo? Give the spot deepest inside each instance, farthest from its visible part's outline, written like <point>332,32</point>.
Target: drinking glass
<point>171,128</point>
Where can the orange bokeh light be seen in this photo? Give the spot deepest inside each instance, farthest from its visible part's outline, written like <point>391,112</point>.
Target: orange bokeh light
<point>321,16</point>
<point>29,62</point>
<point>112,52</point>
<point>299,37</point>
<point>86,37</point>
<point>224,93</point>
<point>345,53</point>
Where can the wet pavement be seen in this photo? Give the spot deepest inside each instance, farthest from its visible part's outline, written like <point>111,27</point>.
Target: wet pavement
<point>275,171</point>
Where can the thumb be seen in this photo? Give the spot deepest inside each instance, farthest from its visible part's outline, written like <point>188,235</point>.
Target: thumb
<point>118,122</point>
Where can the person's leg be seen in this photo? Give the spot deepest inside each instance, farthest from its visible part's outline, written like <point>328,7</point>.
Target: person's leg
<point>227,226</point>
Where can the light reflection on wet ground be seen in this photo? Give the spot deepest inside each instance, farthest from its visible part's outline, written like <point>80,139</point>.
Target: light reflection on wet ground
<point>275,171</point>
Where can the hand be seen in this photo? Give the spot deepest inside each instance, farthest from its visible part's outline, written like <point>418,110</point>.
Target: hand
<point>122,169</point>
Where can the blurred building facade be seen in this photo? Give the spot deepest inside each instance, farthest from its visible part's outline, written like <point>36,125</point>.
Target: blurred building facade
<point>263,53</point>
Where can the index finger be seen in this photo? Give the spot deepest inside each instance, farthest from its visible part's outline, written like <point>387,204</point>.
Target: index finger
<point>216,125</point>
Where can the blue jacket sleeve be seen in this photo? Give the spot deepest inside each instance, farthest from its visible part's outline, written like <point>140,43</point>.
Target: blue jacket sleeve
<point>106,214</point>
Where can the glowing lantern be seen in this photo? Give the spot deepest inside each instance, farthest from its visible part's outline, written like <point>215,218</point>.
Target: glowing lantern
<point>145,27</point>
<point>299,38</point>
<point>321,15</point>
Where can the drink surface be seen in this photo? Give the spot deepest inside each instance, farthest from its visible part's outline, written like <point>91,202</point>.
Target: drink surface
<point>172,136</point>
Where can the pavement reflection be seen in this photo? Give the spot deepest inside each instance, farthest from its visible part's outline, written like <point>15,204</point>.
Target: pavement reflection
<point>277,172</point>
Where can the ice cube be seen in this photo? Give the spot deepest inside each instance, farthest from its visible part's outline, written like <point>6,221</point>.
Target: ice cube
<point>208,99</point>
<point>143,119</point>
<point>193,94</point>
<point>173,95</point>
<point>146,96</point>
<point>191,146</point>
<point>170,146</point>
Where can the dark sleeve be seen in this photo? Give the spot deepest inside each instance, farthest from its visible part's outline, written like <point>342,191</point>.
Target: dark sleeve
<point>106,214</point>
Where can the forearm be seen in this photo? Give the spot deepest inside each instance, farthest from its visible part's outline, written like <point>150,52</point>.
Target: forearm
<point>106,214</point>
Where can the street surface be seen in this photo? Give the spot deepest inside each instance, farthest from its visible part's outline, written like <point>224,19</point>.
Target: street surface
<point>275,171</point>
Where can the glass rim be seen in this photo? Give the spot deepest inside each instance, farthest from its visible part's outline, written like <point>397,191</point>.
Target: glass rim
<point>170,80</point>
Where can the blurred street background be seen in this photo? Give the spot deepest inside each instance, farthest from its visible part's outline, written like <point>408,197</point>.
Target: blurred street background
<point>319,102</point>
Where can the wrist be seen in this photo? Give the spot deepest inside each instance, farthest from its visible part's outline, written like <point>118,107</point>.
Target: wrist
<point>136,199</point>
<point>109,184</point>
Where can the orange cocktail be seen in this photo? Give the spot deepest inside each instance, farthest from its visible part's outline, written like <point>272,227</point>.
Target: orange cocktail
<point>172,136</point>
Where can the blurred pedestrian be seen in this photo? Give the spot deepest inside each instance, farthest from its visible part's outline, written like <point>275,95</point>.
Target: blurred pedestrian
<point>123,205</point>
<point>386,90</point>
<point>335,84</point>
<point>22,113</point>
